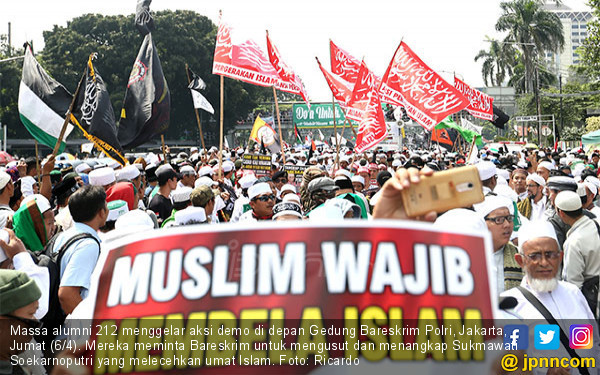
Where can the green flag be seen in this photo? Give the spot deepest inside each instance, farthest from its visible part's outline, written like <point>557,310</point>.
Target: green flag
<point>467,134</point>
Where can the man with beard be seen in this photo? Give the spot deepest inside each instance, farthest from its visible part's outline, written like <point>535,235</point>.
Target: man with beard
<point>540,258</point>
<point>534,206</point>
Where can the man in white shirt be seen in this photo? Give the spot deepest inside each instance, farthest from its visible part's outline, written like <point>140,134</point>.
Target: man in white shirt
<point>540,258</point>
<point>535,205</point>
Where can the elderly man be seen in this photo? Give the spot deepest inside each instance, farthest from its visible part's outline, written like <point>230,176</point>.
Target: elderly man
<point>262,200</point>
<point>535,205</point>
<point>582,246</point>
<point>542,296</point>
<point>498,213</point>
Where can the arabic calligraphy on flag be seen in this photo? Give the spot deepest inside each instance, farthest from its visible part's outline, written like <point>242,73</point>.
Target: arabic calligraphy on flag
<point>426,96</point>
<point>480,104</point>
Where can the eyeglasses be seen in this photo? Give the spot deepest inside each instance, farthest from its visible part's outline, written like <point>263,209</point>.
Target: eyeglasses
<point>265,198</point>
<point>30,322</point>
<point>279,180</point>
<point>500,219</point>
<point>550,255</point>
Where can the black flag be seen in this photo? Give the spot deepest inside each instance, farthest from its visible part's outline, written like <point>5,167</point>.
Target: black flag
<point>147,101</point>
<point>500,118</point>
<point>143,19</point>
<point>94,114</point>
<point>197,82</point>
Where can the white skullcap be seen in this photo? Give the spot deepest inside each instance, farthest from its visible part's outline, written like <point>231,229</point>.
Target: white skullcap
<point>535,229</point>
<point>41,201</point>
<point>537,179</point>
<point>396,163</point>
<point>501,180</point>
<point>137,219</point>
<point>461,219</point>
<point>205,181</point>
<point>593,180</point>
<point>228,166</point>
<point>567,201</point>
<point>591,187</point>
<point>581,189</point>
<point>27,183</point>
<point>503,173</point>
<point>287,208</point>
<point>506,191</point>
<point>492,203</point>
<point>359,179</point>
<point>193,149</point>
<point>186,169</point>
<point>289,187</point>
<point>82,167</point>
<point>113,164</point>
<point>486,170</point>
<point>258,189</point>
<point>102,176</point>
<point>206,171</point>
<point>4,179</point>
<point>343,172</point>
<point>191,215</point>
<point>181,194</point>
<point>541,154</point>
<point>247,181</point>
<point>546,164</point>
<point>116,209</point>
<point>129,172</point>
<point>291,198</point>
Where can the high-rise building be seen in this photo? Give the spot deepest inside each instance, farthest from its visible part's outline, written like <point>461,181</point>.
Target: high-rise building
<point>574,24</point>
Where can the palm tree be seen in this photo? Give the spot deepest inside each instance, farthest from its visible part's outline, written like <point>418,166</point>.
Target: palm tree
<point>497,62</point>
<point>532,30</point>
<point>517,79</point>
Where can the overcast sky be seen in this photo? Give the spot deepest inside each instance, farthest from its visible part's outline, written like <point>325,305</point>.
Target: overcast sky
<point>446,34</point>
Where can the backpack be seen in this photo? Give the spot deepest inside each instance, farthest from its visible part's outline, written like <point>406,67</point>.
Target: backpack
<point>51,260</point>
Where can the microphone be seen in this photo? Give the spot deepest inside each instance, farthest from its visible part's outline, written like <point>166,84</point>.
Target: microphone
<point>507,303</point>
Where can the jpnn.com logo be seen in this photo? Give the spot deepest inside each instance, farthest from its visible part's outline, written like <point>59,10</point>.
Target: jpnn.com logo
<point>516,336</point>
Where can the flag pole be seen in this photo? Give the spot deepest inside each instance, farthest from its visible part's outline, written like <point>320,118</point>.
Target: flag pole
<point>279,124</point>
<point>37,163</point>
<point>68,116</point>
<point>337,153</point>
<point>221,131</point>
<point>195,109</point>
<point>473,146</point>
<point>164,150</point>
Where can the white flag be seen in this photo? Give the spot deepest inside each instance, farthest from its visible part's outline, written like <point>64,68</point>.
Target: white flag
<point>470,126</point>
<point>201,102</point>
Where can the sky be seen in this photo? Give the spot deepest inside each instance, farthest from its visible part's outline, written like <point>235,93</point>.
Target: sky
<point>445,34</point>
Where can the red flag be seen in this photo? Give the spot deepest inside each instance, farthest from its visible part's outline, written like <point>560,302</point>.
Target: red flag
<point>441,136</point>
<point>372,128</point>
<point>341,89</point>
<point>480,104</point>
<point>343,64</point>
<point>313,146</point>
<point>425,95</point>
<point>245,62</point>
<point>366,82</point>
<point>289,81</point>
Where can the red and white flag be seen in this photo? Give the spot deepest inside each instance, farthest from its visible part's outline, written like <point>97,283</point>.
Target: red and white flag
<point>245,62</point>
<point>365,83</point>
<point>341,89</point>
<point>480,104</point>
<point>426,96</point>
<point>372,128</point>
<point>343,64</point>
<point>289,81</point>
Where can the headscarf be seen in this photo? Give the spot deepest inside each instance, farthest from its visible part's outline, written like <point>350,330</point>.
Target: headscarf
<point>28,223</point>
<point>309,174</point>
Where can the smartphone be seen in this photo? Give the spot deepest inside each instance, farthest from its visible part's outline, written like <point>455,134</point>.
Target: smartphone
<point>453,188</point>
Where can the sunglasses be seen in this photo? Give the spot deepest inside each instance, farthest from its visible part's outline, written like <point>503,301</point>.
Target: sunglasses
<point>30,322</point>
<point>279,180</point>
<point>265,198</point>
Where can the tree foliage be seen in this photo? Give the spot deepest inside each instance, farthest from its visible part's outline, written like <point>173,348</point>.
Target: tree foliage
<point>497,62</point>
<point>10,77</point>
<point>592,124</point>
<point>180,36</point>
<point>590,51</point>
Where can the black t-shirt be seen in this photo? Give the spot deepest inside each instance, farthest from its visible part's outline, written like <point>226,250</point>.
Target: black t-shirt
<point>161,206</point>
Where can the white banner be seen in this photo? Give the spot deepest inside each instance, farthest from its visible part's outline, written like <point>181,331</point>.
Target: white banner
<point>201,102</point>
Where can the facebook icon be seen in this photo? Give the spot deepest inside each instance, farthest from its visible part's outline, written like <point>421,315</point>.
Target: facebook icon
<point>516,336</point>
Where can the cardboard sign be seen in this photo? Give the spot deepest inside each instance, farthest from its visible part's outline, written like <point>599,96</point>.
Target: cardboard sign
<point>260,164</point>
<point>288,299</point>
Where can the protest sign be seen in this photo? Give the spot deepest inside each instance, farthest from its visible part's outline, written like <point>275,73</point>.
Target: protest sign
<point>290,298</point>
<point>297,171</point>
<point>260,164</point>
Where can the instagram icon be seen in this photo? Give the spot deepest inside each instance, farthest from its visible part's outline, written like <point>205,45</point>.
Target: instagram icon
<point>581,336</point>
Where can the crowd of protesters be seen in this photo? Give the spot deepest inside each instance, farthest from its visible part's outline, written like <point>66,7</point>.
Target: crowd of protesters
<point>70,207</point>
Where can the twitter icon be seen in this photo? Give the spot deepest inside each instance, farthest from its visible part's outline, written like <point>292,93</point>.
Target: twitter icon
<point>547,336</point>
